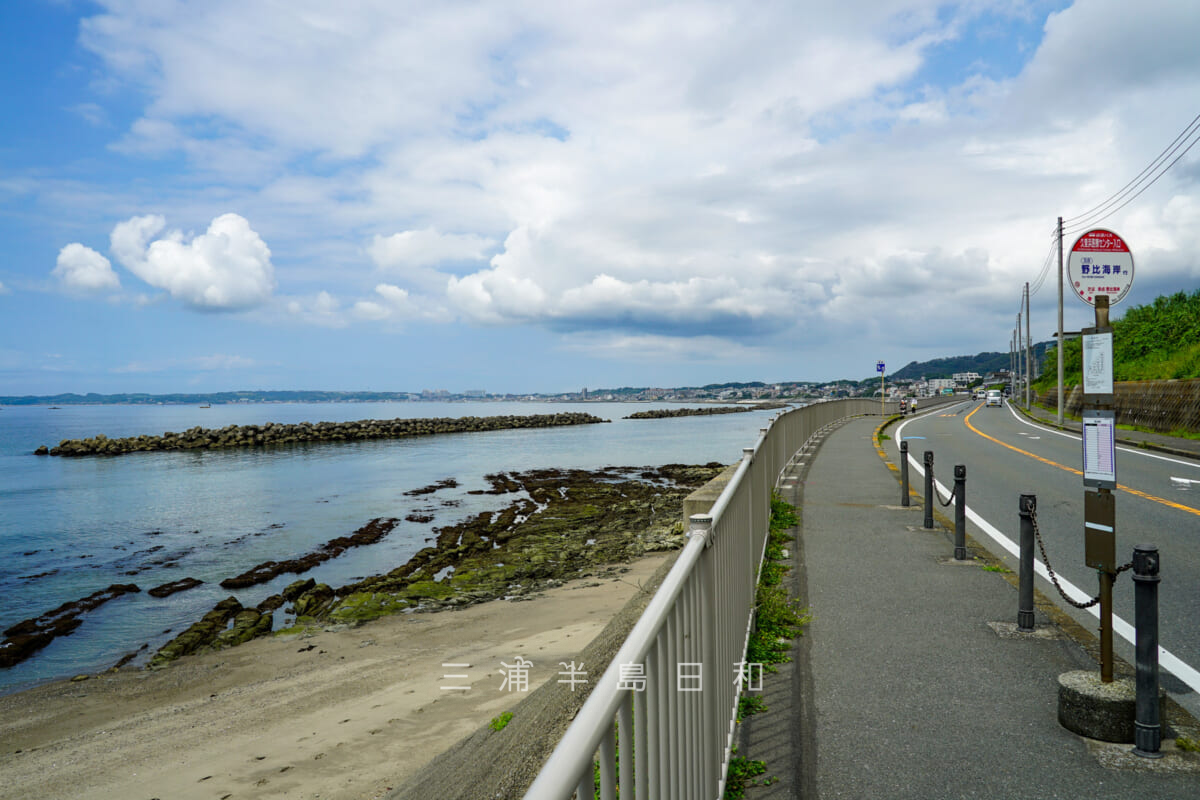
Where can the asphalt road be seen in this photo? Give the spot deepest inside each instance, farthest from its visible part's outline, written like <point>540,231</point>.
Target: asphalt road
<point>1156,503</point>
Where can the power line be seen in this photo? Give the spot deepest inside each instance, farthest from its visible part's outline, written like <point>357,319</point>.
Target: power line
<point>1072,220</point>
<point>1079,227</point>
<point>1127,194</point>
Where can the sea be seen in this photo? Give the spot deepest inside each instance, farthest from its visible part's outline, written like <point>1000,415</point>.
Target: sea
<point>72,526</point>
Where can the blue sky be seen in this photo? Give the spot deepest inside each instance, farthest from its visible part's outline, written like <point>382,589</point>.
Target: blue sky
<point>206,196</point>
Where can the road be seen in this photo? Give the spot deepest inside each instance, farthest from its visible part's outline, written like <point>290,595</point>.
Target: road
<point>1157,502</point>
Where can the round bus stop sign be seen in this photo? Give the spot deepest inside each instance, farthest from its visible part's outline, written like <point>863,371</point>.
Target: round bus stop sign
<point>1100,263</point>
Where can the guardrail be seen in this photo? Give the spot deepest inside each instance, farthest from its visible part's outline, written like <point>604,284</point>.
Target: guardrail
<point>660,722</point>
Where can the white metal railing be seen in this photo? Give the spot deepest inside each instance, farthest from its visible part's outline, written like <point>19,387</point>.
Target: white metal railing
<point>668,700</point>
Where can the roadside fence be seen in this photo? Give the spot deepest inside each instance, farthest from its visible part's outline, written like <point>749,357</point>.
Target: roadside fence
<point>660,722</point>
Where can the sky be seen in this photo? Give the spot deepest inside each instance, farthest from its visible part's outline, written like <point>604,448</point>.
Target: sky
<point>527,196</point>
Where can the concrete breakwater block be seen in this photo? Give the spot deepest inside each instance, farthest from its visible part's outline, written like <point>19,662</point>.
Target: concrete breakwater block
<point>1105,711</point>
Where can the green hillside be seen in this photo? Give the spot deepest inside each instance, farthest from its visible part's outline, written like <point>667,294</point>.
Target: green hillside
<point>1157,341</point>
<point>983,363</point>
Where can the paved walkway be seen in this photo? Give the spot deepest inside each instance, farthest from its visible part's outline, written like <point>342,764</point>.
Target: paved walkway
<point>901,687</point>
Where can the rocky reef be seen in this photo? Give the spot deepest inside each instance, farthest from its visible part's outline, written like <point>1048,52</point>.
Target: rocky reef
<point>563,525</point>
<point>168,589</point>
<point>370,533</point>
<point>28,636</point>
<point>214,632</point>
<point>558,525</point>
<point>273,433</point>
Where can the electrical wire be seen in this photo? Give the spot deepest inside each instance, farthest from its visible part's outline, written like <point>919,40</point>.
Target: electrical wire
<point>1078,228</point>
<point>1150,175</point>
<point>1094,209</point>
<point>1127,195</point>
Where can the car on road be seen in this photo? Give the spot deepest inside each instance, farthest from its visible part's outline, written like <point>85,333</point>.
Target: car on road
<point>994,398</point>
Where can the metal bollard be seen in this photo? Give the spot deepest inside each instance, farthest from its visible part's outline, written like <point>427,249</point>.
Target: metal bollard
<point>1147,732</point>
<point>1028,505</point>
<point>904,501</point>
<point>929,489</point>
<point>960,512</point>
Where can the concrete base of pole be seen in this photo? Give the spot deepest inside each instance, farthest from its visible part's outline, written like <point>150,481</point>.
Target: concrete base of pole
<point>1105,711</point>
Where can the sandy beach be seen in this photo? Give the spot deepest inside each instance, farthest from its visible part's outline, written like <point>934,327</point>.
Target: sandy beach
<point>334,714</point>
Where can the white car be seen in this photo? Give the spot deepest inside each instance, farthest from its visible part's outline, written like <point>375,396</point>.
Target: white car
<point>994,398</point>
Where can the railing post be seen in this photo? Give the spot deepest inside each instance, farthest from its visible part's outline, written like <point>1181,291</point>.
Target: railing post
<point>960,512</point>
<point>904,499</point>
<point>711,746</point>
<point>1028,507</point>
<point>929,490</point>
<point>1147,730</point>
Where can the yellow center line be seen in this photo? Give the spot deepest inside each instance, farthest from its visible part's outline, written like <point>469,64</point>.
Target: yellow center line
<point>1122,487</point>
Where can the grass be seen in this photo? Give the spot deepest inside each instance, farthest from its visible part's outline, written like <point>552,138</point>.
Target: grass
<point>749,705</point>
<point>995,568</point>
<point>1187,745</point>
<point>498,723</point>
<point>777,621</point>
<point>742,773</point>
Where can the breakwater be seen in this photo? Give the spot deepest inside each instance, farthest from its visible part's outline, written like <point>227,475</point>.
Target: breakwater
<point>273,433</point>
<point>667,413</point>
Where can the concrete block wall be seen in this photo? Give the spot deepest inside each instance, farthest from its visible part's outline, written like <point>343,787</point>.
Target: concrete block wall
<point>1162,406</point>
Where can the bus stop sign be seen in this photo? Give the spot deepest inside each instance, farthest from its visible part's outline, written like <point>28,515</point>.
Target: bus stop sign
<point>1100,263</point>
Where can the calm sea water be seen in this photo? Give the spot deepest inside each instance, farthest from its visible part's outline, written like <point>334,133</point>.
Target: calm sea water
<point>69,527</point>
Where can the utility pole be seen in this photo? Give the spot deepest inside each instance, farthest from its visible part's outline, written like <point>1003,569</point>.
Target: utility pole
<point>1012,364</point>
<point>1028,354</point>
<point>1061,342</point>
<point>1020,352</point>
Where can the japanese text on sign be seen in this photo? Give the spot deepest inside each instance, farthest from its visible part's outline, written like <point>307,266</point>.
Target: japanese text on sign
<point>1100,263</point>
<point>1099,449</point>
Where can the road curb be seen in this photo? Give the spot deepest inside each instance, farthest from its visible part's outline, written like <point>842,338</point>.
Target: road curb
<point>1177,720</point>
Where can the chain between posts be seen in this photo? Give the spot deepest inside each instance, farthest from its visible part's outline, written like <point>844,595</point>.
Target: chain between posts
<point>937,494</point>
<point>1037,533</point>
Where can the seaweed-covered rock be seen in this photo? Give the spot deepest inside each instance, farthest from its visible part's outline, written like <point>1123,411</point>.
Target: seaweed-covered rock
<point>370,533</point>
<point>200,635</point>
<point>562,523</point>
<point>297,588</point>
<point>314,601</point>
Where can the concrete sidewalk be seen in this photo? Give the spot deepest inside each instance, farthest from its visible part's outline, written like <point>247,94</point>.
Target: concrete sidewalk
<point>902,687</point>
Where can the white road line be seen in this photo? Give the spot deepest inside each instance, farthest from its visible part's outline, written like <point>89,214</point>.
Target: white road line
<point>1025,421</point>
<point>1166,659</point>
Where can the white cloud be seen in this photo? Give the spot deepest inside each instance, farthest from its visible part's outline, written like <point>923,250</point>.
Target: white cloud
<point>650,348</point>
<point>425,248</point>
<point>82,269</point>
<point>4,289</point>
<point>226,268</point>
<point>646,173</point>
<point>321,309</point>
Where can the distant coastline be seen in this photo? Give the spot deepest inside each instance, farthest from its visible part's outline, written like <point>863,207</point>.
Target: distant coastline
<point>707,394</point>
<point>229,398</point>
